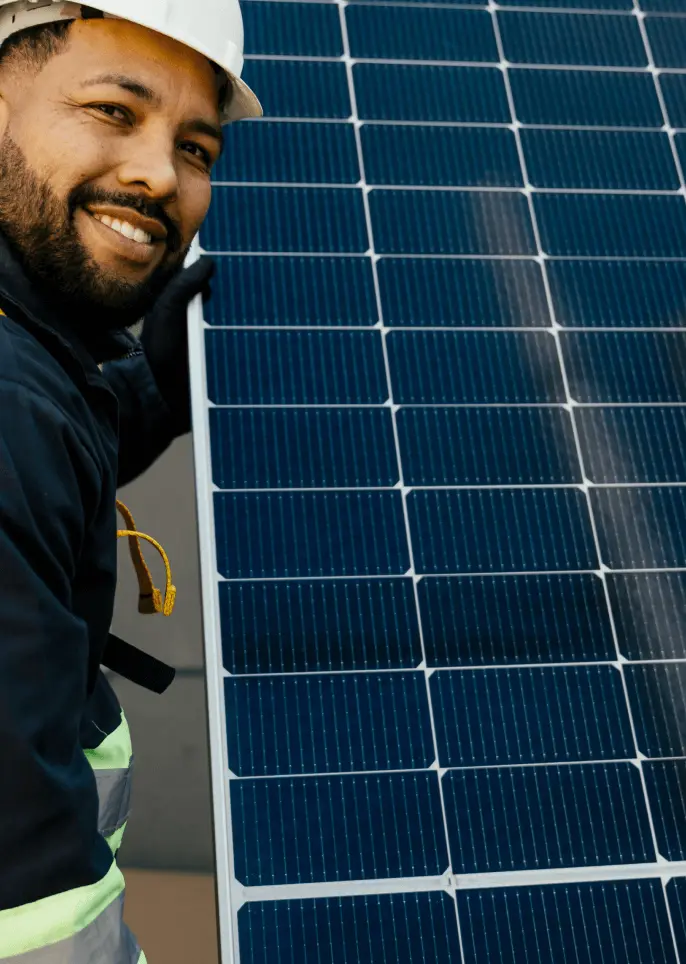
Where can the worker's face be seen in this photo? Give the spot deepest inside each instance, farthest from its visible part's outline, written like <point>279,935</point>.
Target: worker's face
<point>116,128</point>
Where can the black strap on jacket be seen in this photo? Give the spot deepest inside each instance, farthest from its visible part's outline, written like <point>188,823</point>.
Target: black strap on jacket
<point>135,665</point>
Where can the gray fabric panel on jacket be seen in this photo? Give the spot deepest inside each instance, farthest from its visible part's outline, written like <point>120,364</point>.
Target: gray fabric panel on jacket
<point>114,795</point>
<point>107,940</point>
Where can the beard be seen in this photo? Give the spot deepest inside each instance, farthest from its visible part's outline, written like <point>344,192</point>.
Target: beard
<point>39,227</point>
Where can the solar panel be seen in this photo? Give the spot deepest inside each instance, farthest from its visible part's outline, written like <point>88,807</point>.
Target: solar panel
<point>439,407</point>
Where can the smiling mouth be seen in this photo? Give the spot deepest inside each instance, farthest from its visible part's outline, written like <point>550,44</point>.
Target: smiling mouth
<point>128,245</point>
<point>124,228</point>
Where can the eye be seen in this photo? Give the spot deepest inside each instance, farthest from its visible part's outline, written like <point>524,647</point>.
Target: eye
<point>111,110</point>
<point>197,151</point>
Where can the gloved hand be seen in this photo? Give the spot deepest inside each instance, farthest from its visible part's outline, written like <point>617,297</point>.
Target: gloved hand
<point>165,337</point>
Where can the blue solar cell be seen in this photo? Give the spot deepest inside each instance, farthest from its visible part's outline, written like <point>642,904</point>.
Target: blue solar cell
<point>450,292</point>
<point>441,367</point>
<point>656,693</point>
<point>288,448</point>
<point>431,93</point>
<point>296,534</point>
<point>307,829</point>
<point>571,923</point>
<point>585,97</point>
<point>674,92</point>
<point>575,39</point>
<point>300,88</point>
<point>451,222</point>
<point>626,367</point>
<point>663,6</point>
<point>618,293</point>
<point>320,625</point>
<point>282,152</point>
<point>321,220</point>
<point>650,614</point>
<point>641,528</point>
<point>680,142</point>
<point>546,715</point>
<point>676,895</point>
<point>487,446</point>
<point>260,290</point>
<point>612,225</point>
<point>526,818</point>
<point>283,28</point>
<point>516,530</point>
<point>393,928</point>
<point>442,156</point>
<point>481,621</point>
<point>667,37</point>
<point>333,723</point>
<point>627,160</point>
<point>666,786</point>
<point>431,33</point>
<point>633,444</point>
<point>295,368</point>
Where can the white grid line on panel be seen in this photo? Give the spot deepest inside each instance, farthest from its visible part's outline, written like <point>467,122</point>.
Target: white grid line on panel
<point>485,125</point>
<point>464,329</point>
<point>263,777</point>
<point>556,329</point>
<point>472,573</point>
<point>408,489</point>
<point>475,64</point>
<point>501,7</point>
<point>431,487</point>
<point>442,257</point>
<point>464,668</point>
<point>342,4</point>
<point>450,883</point>
<point>481,6</point>
<point>481,125</point>
<point>449,188</point>
<point>561,405</point>
<point>677,163</point>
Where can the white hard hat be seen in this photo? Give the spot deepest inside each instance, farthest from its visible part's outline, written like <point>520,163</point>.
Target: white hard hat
<point>212,27</point>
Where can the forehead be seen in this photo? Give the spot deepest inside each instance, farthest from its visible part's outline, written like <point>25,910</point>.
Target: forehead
<point>178,75</point>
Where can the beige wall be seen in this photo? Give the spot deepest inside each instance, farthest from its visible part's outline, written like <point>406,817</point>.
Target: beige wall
<point>173,916</point>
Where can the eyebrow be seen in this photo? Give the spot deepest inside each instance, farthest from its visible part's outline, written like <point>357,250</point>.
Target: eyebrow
<point>135,87</point>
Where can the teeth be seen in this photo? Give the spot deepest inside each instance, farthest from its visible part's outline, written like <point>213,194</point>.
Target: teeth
<point>123,227</point>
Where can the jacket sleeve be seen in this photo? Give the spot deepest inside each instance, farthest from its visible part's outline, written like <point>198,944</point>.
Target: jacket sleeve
<point>48,799</point>
<point>146,425</point>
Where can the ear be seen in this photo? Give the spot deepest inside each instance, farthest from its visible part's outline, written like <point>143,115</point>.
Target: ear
<point>4,110</point>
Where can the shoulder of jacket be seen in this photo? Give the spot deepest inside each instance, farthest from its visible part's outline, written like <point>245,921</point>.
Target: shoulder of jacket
<point>25,359</point>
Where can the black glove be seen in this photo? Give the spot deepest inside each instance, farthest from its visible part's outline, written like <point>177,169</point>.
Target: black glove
<point>165,337</point>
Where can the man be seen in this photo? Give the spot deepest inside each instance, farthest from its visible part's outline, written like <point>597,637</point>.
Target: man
<point>109,129</point>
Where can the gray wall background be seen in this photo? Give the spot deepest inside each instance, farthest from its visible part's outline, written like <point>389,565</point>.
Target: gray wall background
<point>171,824</point>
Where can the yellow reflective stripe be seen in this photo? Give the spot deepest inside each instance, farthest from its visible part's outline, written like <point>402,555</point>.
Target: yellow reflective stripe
<point>114,840</point>
<point>142,959</point>
<point>58,917</point>
<point>114,753</point>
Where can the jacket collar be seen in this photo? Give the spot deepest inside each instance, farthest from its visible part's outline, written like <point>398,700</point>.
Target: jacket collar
<point>28,306</point>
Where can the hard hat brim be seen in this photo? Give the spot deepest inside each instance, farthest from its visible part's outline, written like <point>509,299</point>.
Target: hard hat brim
<point>243,103</point>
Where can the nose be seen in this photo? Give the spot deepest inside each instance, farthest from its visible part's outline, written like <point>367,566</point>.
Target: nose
<point>148,160</point>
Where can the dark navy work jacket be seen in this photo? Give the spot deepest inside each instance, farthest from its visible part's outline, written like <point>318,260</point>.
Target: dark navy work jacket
<point>69,435</point>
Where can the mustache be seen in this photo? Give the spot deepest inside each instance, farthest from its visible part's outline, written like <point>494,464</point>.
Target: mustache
<point>84,195</point>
